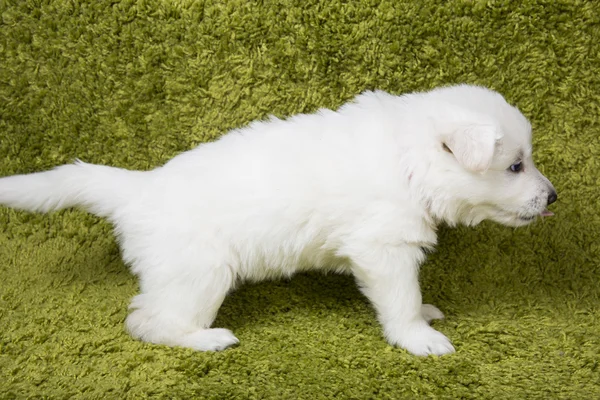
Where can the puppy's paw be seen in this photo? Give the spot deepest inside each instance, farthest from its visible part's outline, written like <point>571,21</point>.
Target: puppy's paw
<point>430,313</point>
<point>422,340</point>
<point>215,339</point>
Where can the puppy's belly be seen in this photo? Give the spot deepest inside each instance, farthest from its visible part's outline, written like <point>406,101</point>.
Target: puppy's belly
<point>281,262</point>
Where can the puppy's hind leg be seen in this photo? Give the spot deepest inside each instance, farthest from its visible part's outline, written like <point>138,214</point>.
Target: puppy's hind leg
<point>178,304</point>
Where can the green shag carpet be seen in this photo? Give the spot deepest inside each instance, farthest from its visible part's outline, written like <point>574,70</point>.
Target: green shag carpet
<point>133,83</point>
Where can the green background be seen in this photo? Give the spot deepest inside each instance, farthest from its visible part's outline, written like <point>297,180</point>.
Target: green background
<point>133,83</point>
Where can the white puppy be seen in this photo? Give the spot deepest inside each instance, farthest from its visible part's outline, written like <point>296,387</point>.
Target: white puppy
<point>360,191</point>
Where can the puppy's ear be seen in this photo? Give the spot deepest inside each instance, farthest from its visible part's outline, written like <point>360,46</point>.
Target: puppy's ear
<point>473,145</point>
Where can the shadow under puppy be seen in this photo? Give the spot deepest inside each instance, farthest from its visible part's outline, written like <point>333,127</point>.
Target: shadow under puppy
<point>359,190</point>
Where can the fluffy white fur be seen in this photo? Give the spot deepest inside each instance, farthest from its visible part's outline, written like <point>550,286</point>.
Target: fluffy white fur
<point>358,191</point>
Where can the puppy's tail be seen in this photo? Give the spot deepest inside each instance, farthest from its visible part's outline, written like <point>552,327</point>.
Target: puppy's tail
<point>99,189</point>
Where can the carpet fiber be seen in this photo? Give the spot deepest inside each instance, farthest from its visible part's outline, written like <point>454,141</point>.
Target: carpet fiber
<point>133,83</point>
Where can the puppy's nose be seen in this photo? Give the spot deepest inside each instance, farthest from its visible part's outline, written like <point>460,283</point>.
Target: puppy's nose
<point>552,197</point>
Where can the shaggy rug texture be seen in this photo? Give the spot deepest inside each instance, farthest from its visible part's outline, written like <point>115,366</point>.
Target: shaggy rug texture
<point>132,83</point>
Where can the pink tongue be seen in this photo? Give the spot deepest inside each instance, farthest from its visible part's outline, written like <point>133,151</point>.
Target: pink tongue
<point>547,213</point>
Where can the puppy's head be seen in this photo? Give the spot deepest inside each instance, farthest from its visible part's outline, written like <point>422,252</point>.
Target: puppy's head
<point>482,166</point>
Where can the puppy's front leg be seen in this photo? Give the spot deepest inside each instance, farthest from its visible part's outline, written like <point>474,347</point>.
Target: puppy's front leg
<point>388,276</point>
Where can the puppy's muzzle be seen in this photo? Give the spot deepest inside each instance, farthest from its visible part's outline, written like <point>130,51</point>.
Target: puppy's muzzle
<point>552,196</point>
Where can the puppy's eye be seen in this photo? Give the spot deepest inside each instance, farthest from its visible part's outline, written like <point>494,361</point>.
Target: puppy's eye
<point>516,167</point>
